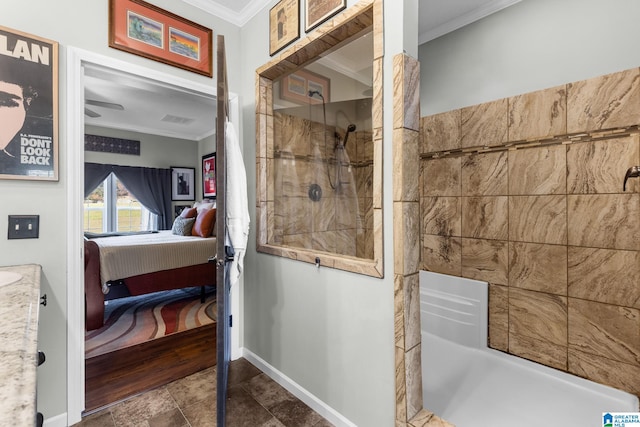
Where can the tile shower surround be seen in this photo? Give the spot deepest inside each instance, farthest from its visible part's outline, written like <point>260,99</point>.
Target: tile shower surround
<point>526,193</point>
<point>340,222</point>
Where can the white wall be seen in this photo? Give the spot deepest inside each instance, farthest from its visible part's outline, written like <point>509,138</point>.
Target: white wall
<point>532,45</point>
<point>59,21</point>
<point>330,331</point>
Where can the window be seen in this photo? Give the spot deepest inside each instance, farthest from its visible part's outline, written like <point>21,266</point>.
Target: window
<point>111,207</point>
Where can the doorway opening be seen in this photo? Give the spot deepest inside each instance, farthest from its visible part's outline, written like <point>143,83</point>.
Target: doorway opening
<point>79,64</point>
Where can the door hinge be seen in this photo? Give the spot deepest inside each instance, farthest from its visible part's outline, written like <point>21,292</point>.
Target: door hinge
<point>230,320</point>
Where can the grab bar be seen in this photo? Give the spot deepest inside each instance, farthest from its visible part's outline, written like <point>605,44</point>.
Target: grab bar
<point>632,172</point>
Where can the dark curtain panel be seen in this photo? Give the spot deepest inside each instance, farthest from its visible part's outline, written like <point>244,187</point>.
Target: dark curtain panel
<point>94,174</point>
<point>151,186</point>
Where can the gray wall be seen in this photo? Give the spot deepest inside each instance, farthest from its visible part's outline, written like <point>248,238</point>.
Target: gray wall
<point>155,151</point>
<point>328,330</point>
<point>59,21</point>
<point>532,45</point>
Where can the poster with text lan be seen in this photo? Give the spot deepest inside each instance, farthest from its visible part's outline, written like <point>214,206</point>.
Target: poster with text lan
<point>28,106</point>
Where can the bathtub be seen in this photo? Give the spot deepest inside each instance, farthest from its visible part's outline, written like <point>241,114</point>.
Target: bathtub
<point>471,385</point>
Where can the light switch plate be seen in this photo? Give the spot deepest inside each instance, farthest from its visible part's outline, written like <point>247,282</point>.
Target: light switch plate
<point>23,227</point>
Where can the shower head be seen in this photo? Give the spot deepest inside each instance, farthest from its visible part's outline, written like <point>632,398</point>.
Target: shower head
<point>350,128</point>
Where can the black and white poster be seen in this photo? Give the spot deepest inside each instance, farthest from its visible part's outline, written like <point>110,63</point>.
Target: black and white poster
<point>28,106</point>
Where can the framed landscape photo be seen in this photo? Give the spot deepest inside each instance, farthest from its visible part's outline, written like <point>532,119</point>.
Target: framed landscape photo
<point>146,30</point>
<point>284,24</point>
<point>209,176</point>
<point>183,182</point>
<point>297,86</point>
<point>29,97</point>
<point>318,11</point>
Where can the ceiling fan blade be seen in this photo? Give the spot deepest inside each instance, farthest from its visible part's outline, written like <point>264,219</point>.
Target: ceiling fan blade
<point>103,104</point>
<point>91,113</point>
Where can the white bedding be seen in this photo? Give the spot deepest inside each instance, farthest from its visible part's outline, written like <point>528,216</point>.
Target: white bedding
<point>126,256</point>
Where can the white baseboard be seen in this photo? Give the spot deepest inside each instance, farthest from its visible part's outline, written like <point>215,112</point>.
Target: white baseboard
<point>312,401</point>
<point>57,421</point>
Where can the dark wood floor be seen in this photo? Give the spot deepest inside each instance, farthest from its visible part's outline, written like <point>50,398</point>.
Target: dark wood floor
<point>112,377</point>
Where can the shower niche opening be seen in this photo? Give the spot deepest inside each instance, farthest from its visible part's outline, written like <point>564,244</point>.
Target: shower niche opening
<point>319,127</point>
<point>323,176</point>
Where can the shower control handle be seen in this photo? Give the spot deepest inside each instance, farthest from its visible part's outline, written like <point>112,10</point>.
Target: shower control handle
<point>632,172</point>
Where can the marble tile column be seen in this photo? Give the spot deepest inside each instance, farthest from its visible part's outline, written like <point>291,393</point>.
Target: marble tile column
<point>406,224</point>
<point>406,228</point>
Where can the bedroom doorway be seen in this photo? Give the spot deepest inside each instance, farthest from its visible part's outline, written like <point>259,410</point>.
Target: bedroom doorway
<point>163,335</point>
<point>78,62</point>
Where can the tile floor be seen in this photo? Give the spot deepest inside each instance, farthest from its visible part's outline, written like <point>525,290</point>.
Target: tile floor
<point>254,400</point>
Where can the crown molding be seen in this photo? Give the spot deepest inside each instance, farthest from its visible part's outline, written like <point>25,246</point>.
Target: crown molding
<point>466,19</point>
<point>236,18</point>
<point>346,70</point>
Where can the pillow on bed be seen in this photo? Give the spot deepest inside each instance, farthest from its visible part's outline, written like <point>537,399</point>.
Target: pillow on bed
<point>205,223</point>
<point>182,226</point>
<point>203,205</point>
<point>189,213</point>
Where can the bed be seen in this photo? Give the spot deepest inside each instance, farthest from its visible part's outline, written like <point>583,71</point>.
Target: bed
<point>143,263</point>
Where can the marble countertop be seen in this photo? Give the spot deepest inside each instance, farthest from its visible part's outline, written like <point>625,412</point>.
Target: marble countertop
<point>19,306</point>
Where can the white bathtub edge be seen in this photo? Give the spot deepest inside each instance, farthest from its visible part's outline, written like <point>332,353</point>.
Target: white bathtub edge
<point>567,377</point>
<point>456,291</point>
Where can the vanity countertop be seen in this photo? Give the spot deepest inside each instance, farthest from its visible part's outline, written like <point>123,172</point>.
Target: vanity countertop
<point>19,306</point>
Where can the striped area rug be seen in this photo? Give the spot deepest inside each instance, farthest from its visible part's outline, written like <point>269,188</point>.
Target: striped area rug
<point>133,320</point>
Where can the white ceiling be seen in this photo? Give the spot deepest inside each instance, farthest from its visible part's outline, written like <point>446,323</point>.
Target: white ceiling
<point>149,107</point>
<point>436,17</point>
<point>190,116</point>
<point>439,17</point>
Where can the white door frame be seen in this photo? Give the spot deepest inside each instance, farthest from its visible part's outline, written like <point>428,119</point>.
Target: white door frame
<point>76,59</point>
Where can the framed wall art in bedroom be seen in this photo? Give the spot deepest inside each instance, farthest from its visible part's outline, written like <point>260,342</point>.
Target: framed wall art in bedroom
<point>209,176</point>
<point>183,183</point>
<point>177,210</point>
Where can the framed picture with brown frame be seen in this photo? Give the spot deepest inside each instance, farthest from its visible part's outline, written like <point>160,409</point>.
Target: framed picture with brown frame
<point>284,24</point>
<point>29,101</point>
<point>318,11</point>
<point>146,30</point>
<point>305,87</point>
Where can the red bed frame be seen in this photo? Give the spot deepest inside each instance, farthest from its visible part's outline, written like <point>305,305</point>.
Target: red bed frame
<point>177,278</point>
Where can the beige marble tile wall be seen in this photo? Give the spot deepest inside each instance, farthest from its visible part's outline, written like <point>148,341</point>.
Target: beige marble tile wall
<point>341,221</point>
<point>526,193</point>
<point>406,206</point>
